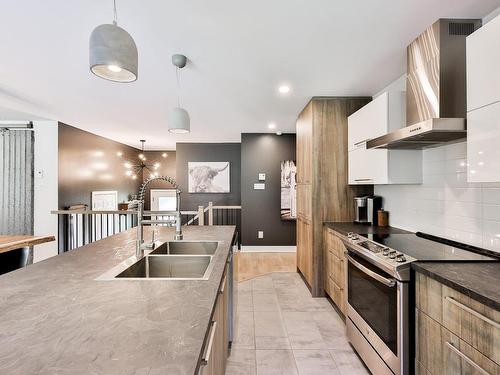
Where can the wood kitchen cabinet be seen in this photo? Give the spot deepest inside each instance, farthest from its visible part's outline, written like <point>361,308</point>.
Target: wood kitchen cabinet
<point>323,193</point>
<point>454,333</point>
<point>216,348</point>
<point>336,269</point>
<point>386,113</point>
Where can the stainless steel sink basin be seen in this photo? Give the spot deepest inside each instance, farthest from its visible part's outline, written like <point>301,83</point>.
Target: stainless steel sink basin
<point>162,267</point>
<point>168,267</point>
<point>187,248</point>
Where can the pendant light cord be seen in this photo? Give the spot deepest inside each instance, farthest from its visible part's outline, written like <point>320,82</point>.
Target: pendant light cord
<point>115,14</point>
<point>178,78</point>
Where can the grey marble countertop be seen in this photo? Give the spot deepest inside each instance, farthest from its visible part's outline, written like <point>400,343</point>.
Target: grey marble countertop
<point>477,280</point>
<point>57,319</point>
<point>362,229</point>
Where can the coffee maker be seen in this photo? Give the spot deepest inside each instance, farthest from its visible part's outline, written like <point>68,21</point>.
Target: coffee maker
<point>366,209</point>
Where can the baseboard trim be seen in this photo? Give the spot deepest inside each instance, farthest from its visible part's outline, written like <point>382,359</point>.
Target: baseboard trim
<point>268,249</point>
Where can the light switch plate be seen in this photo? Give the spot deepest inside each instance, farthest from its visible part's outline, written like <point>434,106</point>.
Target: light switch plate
<point>262,177</point>
<point>259,186</point>
<point>260,234</point>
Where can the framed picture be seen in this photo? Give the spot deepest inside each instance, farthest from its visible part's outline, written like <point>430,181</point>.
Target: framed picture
<point>209,177</point>
<point>288,190</point>
<point>104,200</point>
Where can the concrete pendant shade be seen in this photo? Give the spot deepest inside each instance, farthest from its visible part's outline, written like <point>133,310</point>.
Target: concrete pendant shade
<point>113,54</point>
<point>179,121</point>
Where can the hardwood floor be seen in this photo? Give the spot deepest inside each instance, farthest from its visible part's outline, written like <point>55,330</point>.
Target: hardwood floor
<point>281,329</point>
<point>250,265</point>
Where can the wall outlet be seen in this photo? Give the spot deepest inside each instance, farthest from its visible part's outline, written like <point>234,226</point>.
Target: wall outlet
<point>262,177</point>
<point>260,234</point>
<point>259,186</point>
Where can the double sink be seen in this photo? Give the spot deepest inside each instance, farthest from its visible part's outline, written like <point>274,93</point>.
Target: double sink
<point>173,260</point>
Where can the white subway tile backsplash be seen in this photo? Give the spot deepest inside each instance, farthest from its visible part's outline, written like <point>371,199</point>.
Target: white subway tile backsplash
<point>445,204</point>
<point>467,209</point>
<point>463,195</point>
<point>491,196</point>
<point>491,212</point>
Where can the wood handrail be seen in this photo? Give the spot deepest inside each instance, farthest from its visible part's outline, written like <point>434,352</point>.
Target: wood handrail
<point>110,212</point>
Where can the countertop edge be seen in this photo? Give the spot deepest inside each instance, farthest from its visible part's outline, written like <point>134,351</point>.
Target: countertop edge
<point>420,267</point>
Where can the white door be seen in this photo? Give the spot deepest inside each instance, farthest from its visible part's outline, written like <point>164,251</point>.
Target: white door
<point>163,200</point>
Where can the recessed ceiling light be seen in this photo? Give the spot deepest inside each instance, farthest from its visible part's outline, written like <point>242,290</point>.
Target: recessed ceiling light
<point>164,155</point>
<point>119,153</point>
<point>284,89</point>
<point>279,133</point>
<point>271,125</point>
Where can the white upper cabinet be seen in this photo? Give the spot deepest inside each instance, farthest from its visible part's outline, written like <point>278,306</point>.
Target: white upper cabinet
<point>483,103</point>
<point>384,114</point>
<point>483,144</point>
<point>483,73</point>
<point>374,113</point>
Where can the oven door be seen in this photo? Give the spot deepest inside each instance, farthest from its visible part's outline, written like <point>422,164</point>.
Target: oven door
<point>377,305</point>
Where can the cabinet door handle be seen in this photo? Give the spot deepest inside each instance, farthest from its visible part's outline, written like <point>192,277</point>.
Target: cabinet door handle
<point>206,357</point>
<point>467,359</point>
<point>363,179</point>
<point>473,312</point>
<point>223,285</point>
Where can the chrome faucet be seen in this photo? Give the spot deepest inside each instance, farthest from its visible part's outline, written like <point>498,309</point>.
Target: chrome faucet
<point>140,245</point>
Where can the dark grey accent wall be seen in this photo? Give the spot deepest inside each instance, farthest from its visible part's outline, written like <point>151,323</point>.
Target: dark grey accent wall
<point>263,153</point>
<point>88,162</point>
<point>186,152</point>
<point>167,168</point>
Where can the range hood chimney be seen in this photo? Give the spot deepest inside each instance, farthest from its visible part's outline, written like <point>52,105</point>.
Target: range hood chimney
<point>435,88</point>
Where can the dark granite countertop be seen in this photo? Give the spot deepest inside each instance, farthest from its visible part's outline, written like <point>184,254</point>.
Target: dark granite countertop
<point>56,318</point>
<point>363,229</point>
<point>477,280</point>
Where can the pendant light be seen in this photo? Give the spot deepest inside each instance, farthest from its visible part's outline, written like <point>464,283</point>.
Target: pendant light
<point>178,120</point>
<point>113,53</point>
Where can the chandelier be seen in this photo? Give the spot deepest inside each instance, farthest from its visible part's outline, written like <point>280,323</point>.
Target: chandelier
<point>135,169</point>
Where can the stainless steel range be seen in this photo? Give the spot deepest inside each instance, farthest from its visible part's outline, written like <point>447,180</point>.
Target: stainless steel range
<point>379,300</point>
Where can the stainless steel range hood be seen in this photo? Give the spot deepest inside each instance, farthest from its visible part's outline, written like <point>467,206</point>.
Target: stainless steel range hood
<point>429,133</point>
<point>435,88</point>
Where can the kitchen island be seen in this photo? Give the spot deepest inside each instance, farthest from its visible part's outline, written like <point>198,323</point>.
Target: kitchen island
<point>58,319</point>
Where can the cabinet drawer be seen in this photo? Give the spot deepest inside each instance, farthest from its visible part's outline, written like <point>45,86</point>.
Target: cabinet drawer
<point>338,266</point>
<point>439,351</point>
<point>334,244</point>
<point>337,294</point>
<point>471,321</point>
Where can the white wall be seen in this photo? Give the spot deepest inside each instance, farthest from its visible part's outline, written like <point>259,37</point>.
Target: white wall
<point>46,186</point>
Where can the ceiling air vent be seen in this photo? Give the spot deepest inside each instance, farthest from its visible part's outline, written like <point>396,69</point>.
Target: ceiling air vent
<point>458,28</point>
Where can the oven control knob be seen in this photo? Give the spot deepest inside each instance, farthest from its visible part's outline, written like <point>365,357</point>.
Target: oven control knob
<point>392,254</point>
<point>385,252</point>
<point>352,236</point>
<point>401,258</point>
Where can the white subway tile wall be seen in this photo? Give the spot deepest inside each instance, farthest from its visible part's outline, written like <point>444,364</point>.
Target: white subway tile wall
<point>446,205</point>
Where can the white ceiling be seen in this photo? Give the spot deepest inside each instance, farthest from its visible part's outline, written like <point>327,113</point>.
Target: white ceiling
<point>239,52</point>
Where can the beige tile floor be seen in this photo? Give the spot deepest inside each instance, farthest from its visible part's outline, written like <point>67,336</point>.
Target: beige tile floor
<point>280,329</point>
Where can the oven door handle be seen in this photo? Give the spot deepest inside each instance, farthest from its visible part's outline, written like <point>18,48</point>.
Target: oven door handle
<point>387,282</point>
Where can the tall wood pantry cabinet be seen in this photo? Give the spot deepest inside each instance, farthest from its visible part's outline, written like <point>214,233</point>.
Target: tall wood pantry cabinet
<point>323,193</point>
